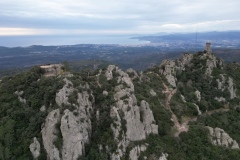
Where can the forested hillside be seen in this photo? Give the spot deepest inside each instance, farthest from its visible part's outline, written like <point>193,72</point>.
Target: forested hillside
<point>185,109</point>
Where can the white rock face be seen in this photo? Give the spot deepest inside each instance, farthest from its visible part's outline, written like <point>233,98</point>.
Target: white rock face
<point>43,108</point>
<point>35,148</point>
<point>220,99</point>
<point>108,72</point>
<point>231,89</point>
<point>164,156</point>
<point>170,67</point>
<point>131,71</point>
<point>183,98</point>
<point>76,128</point>
<point>198,110</point>
<point>198,95</point>
<point>49,133</point>
<point>136,151</point>
<point>152,92</point>
<point>62,95</point>
<point>210,64</point>
<point>169,71</point>
<point>222,86</point>
<point>221,138</point>
<point>75,125</point>
<point>105,93</point>
<point>138,120</point>
<point>20,98</point>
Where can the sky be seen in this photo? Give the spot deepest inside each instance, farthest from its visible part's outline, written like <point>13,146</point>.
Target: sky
<point>115,17</point>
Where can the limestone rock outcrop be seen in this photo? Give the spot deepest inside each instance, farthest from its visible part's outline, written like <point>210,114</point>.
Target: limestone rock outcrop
<point>63,94</point>
<point>136,151</point>
<point>231,88</point>
<point>198,95</point>
<point>35,148</point>
<point>20,96</point>
<point>226,84</point>
<point>220,99</point>
<point>49,135</point>
<point>109,73</point>
<point>210,63</point>
<point>169,68</point>
<point>131,122</point>
<point>164,156</point>
<point>74,126</point>
<point>152,92</point>
<point>169,71</point>
<point>221,138</point>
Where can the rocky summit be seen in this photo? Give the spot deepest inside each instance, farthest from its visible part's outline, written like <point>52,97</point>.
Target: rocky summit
<point>188,108</point>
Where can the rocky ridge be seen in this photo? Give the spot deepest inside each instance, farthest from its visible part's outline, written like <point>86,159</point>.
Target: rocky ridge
<point>74,126</point>
<point>138,121</point>
<point>221,138</point>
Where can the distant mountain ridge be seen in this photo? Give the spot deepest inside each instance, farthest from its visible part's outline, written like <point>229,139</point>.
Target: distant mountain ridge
<point>215,35</point>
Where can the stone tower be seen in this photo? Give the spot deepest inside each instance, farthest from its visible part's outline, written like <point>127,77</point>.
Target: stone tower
<point>208,47</point>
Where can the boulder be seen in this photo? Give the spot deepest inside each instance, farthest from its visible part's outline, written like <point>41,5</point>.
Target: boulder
<point>35,148</point>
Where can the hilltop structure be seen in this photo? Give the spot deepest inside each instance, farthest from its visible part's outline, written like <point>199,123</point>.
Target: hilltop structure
<point>208,48</point>
<point>52,69</point>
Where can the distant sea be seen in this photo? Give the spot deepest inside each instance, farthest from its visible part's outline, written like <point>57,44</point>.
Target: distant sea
<point>24,41</point>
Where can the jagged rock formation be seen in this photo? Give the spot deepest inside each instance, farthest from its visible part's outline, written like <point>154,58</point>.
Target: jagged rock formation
<point>220,99</point>
<point>183,98</point>
<point>152,92</point>
<point>169,68</point>
<point>138,121</point>
<point>211,63</point>
<point>43,108</point>
<point>221,138</point>
<point>222,81</point>
<point>169,71</point>
<point>20,98</point>
<point>49,134</point>
<point>164,156</point>
<point>198,95</point>
<point>113,114</point>
<point>136,151</point>
<point>35,148</point>
<point>75,126</point>
<point>108,73</point>
<point>63,94</point>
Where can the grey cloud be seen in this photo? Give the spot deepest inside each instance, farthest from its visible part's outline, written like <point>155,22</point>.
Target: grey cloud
<point>113,15</point>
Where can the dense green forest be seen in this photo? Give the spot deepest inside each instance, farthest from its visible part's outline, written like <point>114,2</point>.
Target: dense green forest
<point>23,96</point>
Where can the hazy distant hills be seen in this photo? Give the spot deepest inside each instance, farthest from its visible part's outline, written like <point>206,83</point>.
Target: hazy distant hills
<point>228,35</point>
<point>139,57</point>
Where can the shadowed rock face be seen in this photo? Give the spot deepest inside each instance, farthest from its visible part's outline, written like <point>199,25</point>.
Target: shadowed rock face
<point>221,138</point>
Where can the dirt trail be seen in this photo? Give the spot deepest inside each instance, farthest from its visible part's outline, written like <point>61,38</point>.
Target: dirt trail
<point>184,126</point>
<point>180,127</point>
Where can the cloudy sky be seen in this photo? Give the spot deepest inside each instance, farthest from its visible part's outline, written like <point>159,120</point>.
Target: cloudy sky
<point>116,17</point>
